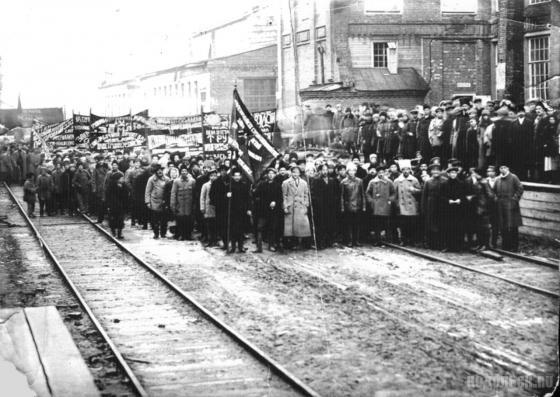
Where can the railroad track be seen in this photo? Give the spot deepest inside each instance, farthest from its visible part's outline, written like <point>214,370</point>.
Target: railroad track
<point>163,339</point>
<point>530,273</point>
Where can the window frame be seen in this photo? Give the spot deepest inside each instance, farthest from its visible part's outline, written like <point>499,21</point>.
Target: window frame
<point>322,29</point>
<point>538,69</point>
<point>385,55</point>
<point>305,40</point>
<point>286,40</point>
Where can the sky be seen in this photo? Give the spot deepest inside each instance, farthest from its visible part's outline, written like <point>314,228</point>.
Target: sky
<point>56,53</point>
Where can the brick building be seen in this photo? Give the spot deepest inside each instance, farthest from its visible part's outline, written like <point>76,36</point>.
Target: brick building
<point>405,52</point>
<point>242,52</point>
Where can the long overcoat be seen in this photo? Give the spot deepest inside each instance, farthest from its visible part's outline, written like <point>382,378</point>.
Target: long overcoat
<point>295,201</point>
<point>432,204</point>
<point>380,195</point>
<point>182,196</point>
<point>508,192</point>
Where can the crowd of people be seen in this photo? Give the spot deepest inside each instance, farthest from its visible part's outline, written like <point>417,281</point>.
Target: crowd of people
<point>523,137</point>
<point>301,200</point>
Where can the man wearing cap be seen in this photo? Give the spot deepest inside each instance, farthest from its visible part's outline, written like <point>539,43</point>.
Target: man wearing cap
<point>489,184</point>
<point>366,134</point>
<point>522,145</point>
<point>384,128</point>
<point>453,192</point>
<point>267,200</point>
<point>407,147</point>
<point>218,198</point>
<point>295,200</point>
<point>509,190</point>
<point>431,208</point>
<point>182,203</point>
<point>325,196</point>
<point>140,213</point>
<point>353,204</point>
<point>98,187</point>
<point>435,133</point>
<point>80,184</point>
<point>422,133</point>
<point>208,210</point>
<point>154,200</point>
<point>407,190</point>
<point>502,138</point>
<point>380,195</point>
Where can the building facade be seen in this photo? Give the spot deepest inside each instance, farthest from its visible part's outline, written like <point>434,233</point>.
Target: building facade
<point>405,52</point>
<point>241,52</point>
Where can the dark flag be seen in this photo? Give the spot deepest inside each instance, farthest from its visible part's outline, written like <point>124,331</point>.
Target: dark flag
<point>255,151</point>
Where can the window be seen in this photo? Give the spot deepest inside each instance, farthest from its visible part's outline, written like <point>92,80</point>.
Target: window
<point>539,61</point>
<point>320,32</point>
<point>182,89</point>
<point>286,40</point>
<point>380,55</point>
<point>538,1</point>
<point>302,37</point>
<point>383,6</point>
<point>202,96</point>
<point>259,94</point>
<point>459,6</point>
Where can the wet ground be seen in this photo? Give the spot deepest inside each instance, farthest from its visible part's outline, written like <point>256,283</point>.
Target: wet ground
<point>371,321</point>
<point>349,322</point>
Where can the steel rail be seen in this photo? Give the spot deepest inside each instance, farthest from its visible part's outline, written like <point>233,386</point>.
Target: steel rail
<point>475,270</point>
<point>526,258</point>
<point>120,359</point>
<point>257,353</point>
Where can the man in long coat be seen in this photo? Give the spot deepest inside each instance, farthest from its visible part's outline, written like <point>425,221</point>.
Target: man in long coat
<point>154,199</point>
<point>431,208</point>
<point>182,203</point>
<point>238,195</point>
<point>407,190</point>
<point>325,195</point>
<point>218,198</point>
<point>267,199</point>
<point>454,195</point>
<point>509,190</point>
<point>380,195</point>
<point>295,193</point>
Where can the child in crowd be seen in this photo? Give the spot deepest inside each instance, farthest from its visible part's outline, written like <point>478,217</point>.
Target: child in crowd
<point>30,193</point>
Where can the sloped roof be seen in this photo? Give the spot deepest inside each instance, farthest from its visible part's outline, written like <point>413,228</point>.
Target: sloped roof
<point>375,80</point>
<point>379,79</point>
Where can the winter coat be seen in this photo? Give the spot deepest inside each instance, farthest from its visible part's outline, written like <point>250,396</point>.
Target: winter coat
<point>57,181</point>
<point>139,185</point>
<point>392,142</point>
<point>508,193</point>
<point>295,202</point>
<point>326,202</point>
<point>206,208</point>
<point>454,189</point>
<point>380,195</point>
<point>348,125</point>
<point>471,149</point>
<point>182,196</point>
<point>239,207</point>
<point>81,181</point>
<point>408,147</point>
<point>45,187</point>
<point>407,190</point>
<point>98,181</point>
<point>153,196</point>
<point>384,129</point>
<point>265,193</point>
<point>367,134</point>
<point>29,192</point>
<point>5,163</point>
<point>432,204</point>
<point>502,142</point>
<point>218,198</point>
<point>352,197</point>
<point>116,197</point>
<point>423,139</point>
